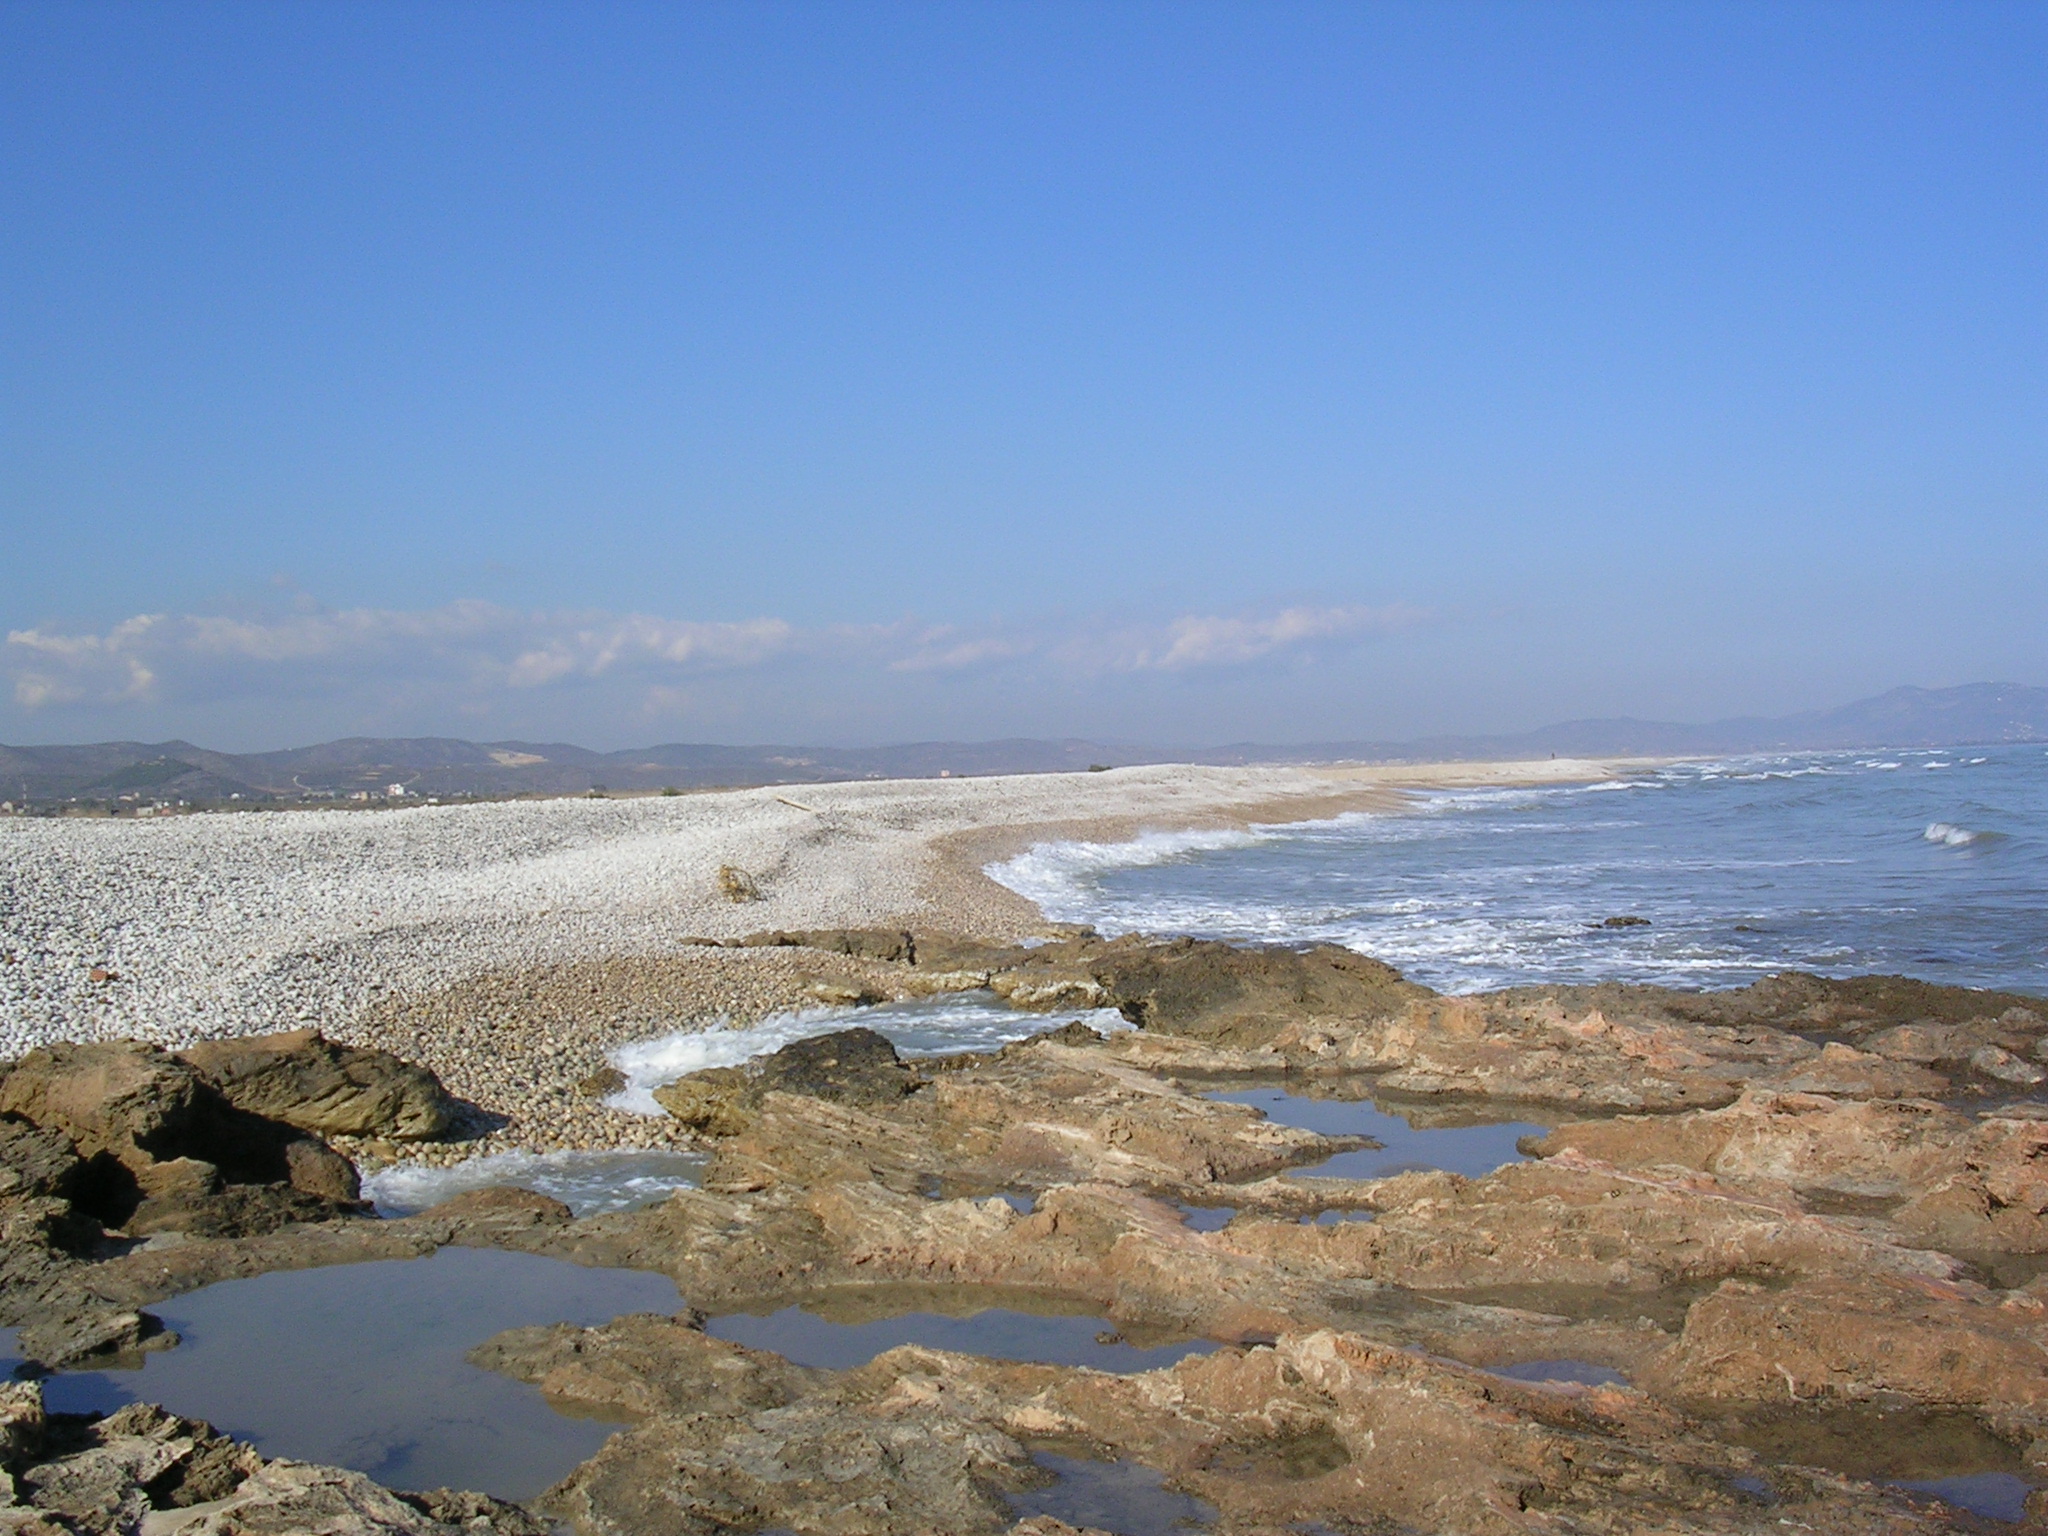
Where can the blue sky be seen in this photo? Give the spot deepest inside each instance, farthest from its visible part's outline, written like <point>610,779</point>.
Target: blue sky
<point>854,373</point>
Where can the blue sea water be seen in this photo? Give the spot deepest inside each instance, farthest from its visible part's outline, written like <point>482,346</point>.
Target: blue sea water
<point>1919,863</point>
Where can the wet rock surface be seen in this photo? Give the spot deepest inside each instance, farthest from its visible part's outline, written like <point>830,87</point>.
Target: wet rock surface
<point>1803,1198</point>
<point>144,1472</point>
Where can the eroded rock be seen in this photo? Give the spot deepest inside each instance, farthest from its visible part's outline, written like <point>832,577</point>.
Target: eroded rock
<point>141,1471</point>
<point>308,1081</point>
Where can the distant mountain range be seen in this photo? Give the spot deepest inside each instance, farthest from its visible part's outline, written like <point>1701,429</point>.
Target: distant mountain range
<point>438,766</point>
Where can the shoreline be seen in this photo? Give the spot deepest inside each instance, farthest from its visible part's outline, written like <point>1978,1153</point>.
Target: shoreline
<point>510,947</point>
<point>962,857</point>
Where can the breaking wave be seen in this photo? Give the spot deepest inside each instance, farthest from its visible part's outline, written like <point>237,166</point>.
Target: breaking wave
<point>1949,835</point>
<point>934,1027</point>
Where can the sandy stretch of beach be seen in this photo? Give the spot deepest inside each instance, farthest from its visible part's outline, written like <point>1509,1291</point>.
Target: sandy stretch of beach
<point>509,945</point>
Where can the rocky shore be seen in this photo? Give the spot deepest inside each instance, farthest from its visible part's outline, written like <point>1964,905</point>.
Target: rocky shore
<point>1793,1239</point>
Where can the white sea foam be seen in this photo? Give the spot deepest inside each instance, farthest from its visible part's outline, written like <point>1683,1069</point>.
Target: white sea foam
<point>589,1183</point>
<point>1949,834</point>
<point>1058,876</point>
<point>963,1022</point>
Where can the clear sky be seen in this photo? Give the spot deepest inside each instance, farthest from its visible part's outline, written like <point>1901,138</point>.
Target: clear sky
<point>848,373</point>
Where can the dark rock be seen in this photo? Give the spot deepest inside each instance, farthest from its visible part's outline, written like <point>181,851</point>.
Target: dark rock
<point>234,1210</point>
<point>500,1206</point>
<point>62,1341</point>
<point>602,1083</point>
<point>1230,995</point>
<point>848,1066</point>
<point>889,944</point>
<point>477,1512</point>
<point>308,1081</point>
<point>37,1162</point>
<point>1625,922</point>
<point>714,1102</point>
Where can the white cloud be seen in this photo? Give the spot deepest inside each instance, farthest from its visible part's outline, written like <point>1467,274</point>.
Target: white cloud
<point>1207,641</point>
<point>66,668</point>
<point>467,654</point>
<point>479,645</point>
<point>594,650</point>
<point>949,649</point>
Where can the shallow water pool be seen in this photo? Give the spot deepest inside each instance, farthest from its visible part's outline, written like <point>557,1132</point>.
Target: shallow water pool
<point>1474,1149</point>
<point>1994,1495</point>
<point>1579,1372</point>
<point>361,1365</point>
<point>1119,1496</point>
<point>848,1329</point>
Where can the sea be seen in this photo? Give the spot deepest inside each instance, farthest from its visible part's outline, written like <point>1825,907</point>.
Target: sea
<point>1709,874</point>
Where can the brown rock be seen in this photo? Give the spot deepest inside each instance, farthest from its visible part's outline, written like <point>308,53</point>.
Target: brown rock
<point>638,1366</point>
<point>712,1102</point>
<point>36,1162</point>
<point>315,1168</point>
<point>602,1083</point>
<point>888,944</point>
<point>310,1082</point>
<point>1230,995</point>
<point>131,1101</point>
<point>477,1513</point>
<point>1861,1337</point>
<point>500,1205</point>
<point>62,1341</point>
<point>22,1423</point>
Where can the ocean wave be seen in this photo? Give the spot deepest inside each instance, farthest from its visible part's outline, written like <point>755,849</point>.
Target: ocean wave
<point>969,1022</point>
<point>650,1063</point>
<point>1057,875</point>
<point>1950,835</point>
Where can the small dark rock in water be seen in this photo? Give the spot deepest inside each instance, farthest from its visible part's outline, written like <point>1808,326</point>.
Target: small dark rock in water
<point>849,1066</point>
<point>504,1206</point>
<point>1072,1033</point>
<point>58,1343</point>
<point>1626,922</point>
<point>602,1083</point>
<point>714,1102</point>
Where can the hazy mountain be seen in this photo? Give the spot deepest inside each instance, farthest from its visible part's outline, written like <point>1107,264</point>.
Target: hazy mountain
<point>173,770</point>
